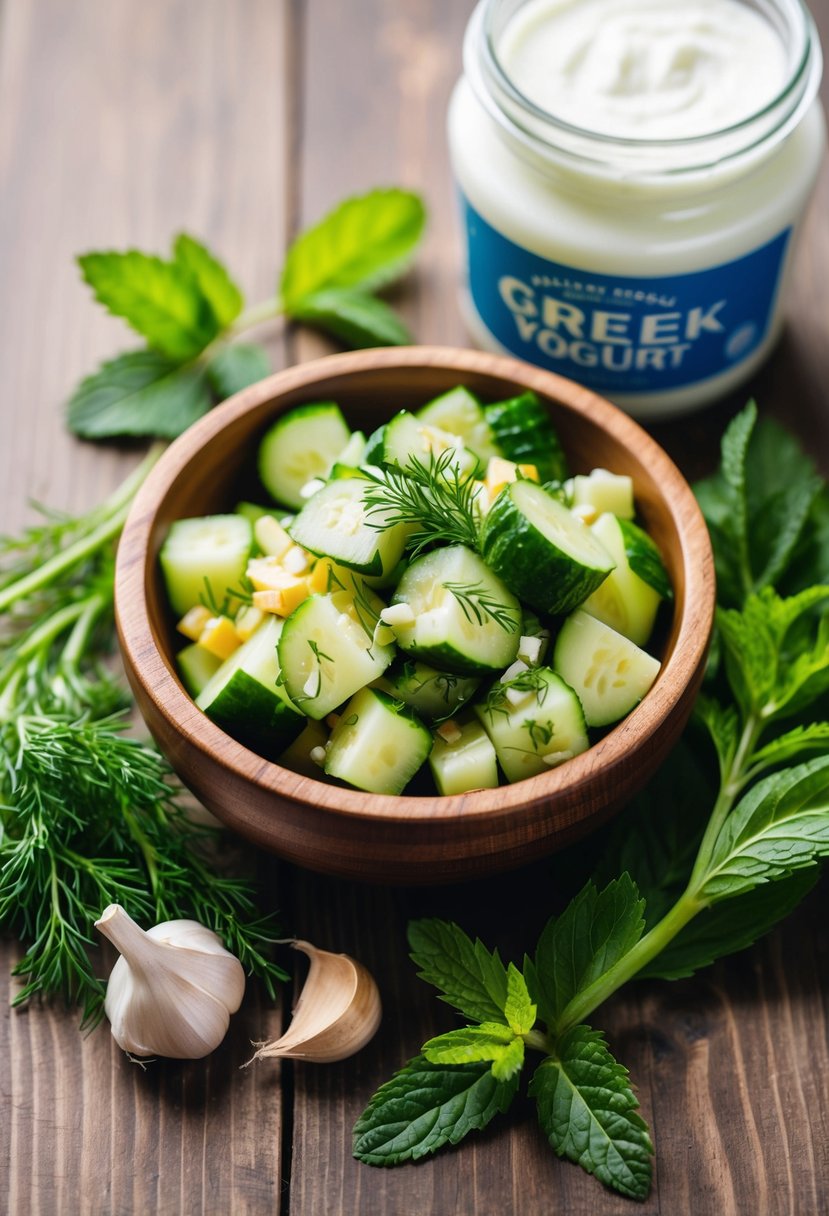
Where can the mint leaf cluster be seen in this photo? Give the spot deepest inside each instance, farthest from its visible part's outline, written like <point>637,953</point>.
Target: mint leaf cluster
<point>189,311</point>
<point>694,871</point>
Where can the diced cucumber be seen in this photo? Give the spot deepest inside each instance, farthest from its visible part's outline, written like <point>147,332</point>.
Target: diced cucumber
<point>535,722</point>
<point>604,491</point>
<point>645,560</point>
<point>205,559</point>
<point>610,673</point>
<point>461,413</point>
<point>252,510</point>
<point>326,650</point>
<point>373,453</point>
<point>298,755</point>
<point>522,431</point>
<point>467,763</point>
<point>407,436</point>
<point>465,619</point>
<point>377,745</point>
<point>432,694</point>
<point>196,666</point>
<point>354,451</point>
<point>245,697</point>
<point>623,601</point>
<point>547,556</point>
<point>302,444</point>
<point>336,523</point>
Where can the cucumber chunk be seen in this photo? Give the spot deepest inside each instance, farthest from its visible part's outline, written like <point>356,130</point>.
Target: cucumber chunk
<point>336,523</point>
<point>609,673</point>
<point>245,698</point>
<point>297,756</point>
<point>407,436</point>
<point>300,445</point>
<point>327,651</point>
<point>196,666</point>
<point>460,413</point>
<point>547,556</point>
<point>522,431</point>
<point>432,694</point>
<point>624,601</point>
<point>645,560</point>
<point>605,492</point>
<point>467,763</point>
<point>205,559</point>
<point>377,745</point>
<point>465,619</point>
<point>535,722</point>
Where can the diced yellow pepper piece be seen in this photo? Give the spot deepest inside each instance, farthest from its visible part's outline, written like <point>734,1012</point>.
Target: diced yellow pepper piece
<point>500,472</point>
<point>248,620</point>
<point>194,621</point>
<point>268,574</point>
<point>282,600</point>
<point>271,537</point>
<point>219,636</point>
<point>323,578</point>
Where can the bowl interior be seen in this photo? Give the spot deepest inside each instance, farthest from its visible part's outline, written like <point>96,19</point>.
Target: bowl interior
<point>213,466</point>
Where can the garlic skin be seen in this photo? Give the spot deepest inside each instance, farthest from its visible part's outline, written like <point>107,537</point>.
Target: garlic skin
<point>172,991</point>
<point>338,1011</point>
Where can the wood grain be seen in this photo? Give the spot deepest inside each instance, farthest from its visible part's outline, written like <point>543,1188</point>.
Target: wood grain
<point>119,124</point>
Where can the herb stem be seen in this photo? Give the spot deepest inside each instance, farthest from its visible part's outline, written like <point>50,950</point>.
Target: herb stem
<point>75,647</point>
<point>266,310</point>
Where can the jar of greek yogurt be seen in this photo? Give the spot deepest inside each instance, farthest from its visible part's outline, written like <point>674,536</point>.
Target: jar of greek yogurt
<point>632,176</point>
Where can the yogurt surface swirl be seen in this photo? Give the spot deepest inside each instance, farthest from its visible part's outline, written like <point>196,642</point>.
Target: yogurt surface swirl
<point>644,69</point>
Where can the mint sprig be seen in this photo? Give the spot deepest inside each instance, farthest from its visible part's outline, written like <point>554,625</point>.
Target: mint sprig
<point>695,870</point>
<point>189,311</point>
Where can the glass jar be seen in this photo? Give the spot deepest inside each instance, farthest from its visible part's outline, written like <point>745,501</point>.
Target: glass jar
<point>652,270</point>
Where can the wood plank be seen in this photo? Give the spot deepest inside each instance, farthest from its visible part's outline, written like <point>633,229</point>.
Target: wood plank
<point>119,125</point>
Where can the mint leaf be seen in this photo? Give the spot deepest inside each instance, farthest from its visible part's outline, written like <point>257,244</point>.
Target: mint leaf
<point>723,725</point>
<point>592,933</point>
<point>588,1112</point>
<point>140,393</point>
<point>792,745</point>
<point>425,1106</point>
<point>235,367</point>
<point>730,926</point>
<point>363,243</point>
<point>470,1044</point>
<point>519,1010</point>
<point>355,317</point>
<point>781,825</point>
<point>161,300</point>
<point>467,974</point>
<point>214,282</point>
<point>644,558</point>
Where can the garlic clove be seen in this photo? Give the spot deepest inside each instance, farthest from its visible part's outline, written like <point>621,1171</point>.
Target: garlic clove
<point>338,1011</point>
<point>172,991</point>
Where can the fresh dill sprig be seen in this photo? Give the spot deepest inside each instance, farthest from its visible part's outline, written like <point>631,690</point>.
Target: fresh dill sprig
<point>477,604</point>
<point>434,499</point>
<point>531,680</point>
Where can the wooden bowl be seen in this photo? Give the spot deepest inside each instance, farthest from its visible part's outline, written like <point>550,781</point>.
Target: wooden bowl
<point>407,839</point>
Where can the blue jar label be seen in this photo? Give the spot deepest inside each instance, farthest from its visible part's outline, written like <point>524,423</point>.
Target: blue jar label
<point>617,333</point>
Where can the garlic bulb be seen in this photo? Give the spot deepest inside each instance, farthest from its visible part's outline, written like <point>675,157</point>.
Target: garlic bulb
<point>172,991</point>
<point>338,1010</point>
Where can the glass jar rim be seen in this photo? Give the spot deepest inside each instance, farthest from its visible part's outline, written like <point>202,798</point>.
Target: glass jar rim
<point>549,137</point>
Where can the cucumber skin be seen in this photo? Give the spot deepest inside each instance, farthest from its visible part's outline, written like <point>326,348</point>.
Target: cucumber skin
<point>522,429</point>
<point>270,478</point>
<point>510,546</point>
<point>249,713</point>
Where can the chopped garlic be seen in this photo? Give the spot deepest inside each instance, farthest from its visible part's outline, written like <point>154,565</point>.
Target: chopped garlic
<point>554,758</point>
<point>295,560</point>
<point>271,537</point>
<point>310,488</point>
<point>311,687</point>
<point>449,731</point>
<point>317,754</point>
<point>517,696</point>
<point>397,614</point>
<point>529,649</point>
<point>194,621</point>
<point>515,669</point>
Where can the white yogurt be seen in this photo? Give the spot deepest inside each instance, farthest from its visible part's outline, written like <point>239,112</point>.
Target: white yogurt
<point>633,174</point>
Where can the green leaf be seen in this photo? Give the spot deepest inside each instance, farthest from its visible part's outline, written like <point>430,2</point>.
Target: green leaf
<point>214,282</point>
<point>592,933</point>
<point>588,1112</point>
<point>161,300</point>
<point>793,745</point>
<point>730,926</point>
<point>467,974</point>
<point>644,559</point>
<point>356,318</point>
<point>235,367</point>
<point>425,1106</point>
<point>470,1044</point>
<point>723,725</point>
<point>780,826</point>
<point>366,241</point>
<point>519,1010</point>
<point>139,393</point>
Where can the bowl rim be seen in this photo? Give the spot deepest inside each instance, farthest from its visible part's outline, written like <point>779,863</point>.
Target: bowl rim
<point>148,664</point>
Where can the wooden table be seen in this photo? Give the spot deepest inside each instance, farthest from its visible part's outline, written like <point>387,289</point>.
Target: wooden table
<point>242,120</point>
